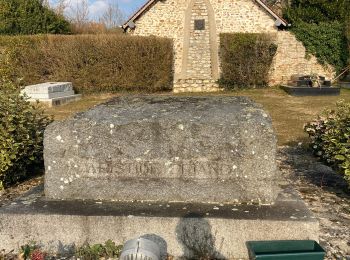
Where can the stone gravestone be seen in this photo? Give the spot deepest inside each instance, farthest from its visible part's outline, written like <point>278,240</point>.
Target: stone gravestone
<point>197,175</point>
<point>218,149</point>
<point>51,93</point>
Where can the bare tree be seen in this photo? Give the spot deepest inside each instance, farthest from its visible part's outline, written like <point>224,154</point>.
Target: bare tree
<point>46,3</point>
<point>61,6</point>
<point>78,14</point>
<point>113,16</point>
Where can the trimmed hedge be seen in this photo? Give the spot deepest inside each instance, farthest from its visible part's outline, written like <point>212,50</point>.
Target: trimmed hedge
<point>246,59</point>
<point>94,63</point>
<point>347,34</point>
<point>330,138</point>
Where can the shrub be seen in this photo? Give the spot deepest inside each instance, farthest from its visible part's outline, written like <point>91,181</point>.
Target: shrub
<point>316,11</point>
<point>94,63</point>
<point>30,17</point>
<point>325,40</point>
<point>330,138</point>
<point>246,59</point>
<point>319,25</point>
<point>107,251</point>
<point>21,134</point>
<point>347,34</point>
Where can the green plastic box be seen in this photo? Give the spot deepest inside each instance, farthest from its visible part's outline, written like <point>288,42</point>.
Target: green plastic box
<point>285,250</point>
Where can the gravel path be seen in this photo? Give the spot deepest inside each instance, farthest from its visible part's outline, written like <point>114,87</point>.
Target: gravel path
<point>326,194</point>
<point>18,190</point>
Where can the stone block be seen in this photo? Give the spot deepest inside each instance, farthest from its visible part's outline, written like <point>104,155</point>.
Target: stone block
<point>185,229</point>
<point>198,149</point>
<point>51,93</point>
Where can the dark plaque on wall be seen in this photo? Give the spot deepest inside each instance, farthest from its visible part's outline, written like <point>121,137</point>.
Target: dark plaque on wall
<point>199,24</point>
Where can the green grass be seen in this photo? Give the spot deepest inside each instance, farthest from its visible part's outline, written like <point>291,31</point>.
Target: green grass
<point>289,114</point>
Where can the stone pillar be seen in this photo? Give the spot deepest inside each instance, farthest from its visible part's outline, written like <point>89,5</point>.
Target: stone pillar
<point>200,54</point>
<point>199,61</point>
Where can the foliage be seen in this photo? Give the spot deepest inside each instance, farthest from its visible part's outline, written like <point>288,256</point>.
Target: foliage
<point>317,11</point>
<point>97,251</point>
<point>27,250</point>
<point>246,59</point>
<point>30,17</point>
<point>94,63</point>
<point>330,138</point>
<point>325,40</point>
<point>320,25</point>
<point>37,255</point>
<point>21,134</point>
<point>347,34</point>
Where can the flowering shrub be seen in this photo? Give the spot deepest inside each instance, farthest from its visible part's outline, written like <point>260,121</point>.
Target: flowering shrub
<point>330,138</point>
<point>37,255</point>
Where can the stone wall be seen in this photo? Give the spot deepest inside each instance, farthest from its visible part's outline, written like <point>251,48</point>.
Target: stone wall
<point>290,60</point>
<point>196,64</point>
<point>165,19</point>
<point>241,16</point>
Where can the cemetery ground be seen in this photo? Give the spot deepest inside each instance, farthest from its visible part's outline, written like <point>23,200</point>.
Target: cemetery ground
<point>325,193</point>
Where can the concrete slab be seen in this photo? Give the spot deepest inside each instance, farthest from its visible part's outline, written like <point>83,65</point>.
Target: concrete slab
<point>59,100</point>
<point>185,229</point>
<point>51,93</point>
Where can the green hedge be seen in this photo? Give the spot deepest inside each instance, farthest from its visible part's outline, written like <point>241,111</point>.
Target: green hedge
<point>246,59</point>
<point>21,135</point>
<point>330,138</point>
<point>347,34</point>
<point>94,63</point>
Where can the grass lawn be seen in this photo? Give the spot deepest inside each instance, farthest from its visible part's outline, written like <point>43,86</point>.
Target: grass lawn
<point>288,113</point>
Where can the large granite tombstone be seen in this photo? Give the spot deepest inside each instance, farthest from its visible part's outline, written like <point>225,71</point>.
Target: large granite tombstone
<point>199,149</point>
<point>184,170</point>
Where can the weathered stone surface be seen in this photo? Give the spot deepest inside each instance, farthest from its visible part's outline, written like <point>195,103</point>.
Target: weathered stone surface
<point>49,90</point>
<point>201,149</point>
<point>216,231</point>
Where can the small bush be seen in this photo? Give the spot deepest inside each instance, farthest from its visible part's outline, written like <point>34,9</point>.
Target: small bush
<point>21,134</point>
<point>94,63</point>
<point>246,59</point>
<point>330,138</point>
<point>91,252</point>
<point>28,249</point>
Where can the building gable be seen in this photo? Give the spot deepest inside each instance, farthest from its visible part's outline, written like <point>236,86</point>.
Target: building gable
<point>130,23</point>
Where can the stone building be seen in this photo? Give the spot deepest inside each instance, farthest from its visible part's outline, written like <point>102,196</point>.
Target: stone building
<point>195,26</point>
